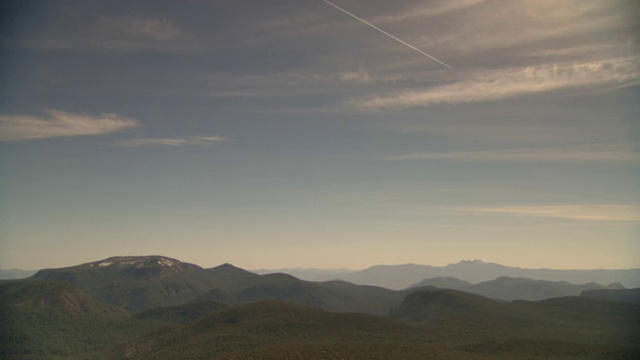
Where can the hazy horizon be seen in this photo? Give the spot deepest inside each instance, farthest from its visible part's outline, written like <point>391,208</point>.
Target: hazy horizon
<point>288,134</point>
<point>331,269</point>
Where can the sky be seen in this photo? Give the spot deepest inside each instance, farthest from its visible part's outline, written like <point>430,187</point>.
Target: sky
<point>273,134</point>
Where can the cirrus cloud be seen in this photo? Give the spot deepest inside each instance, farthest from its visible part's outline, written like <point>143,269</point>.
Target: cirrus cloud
<point>514,82</point>
<point>61,124</point>
<point>596,212</point>
<point>186,141</point>
<point>579,153</point>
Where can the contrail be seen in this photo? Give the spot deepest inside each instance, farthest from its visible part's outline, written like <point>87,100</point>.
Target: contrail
<point>386,33</point>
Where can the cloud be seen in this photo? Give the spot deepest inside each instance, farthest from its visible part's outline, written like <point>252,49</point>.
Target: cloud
<point>523,26</point>
<point>509,83</point>
<point>360,76</point>
<point>187,141</point>
<point>61,124</point>
<point>124,34</point>
<point>598,212</point>
<point>294,83</point>
<point>584,153</point>
<point>427,10</point>
<point>149,28</point>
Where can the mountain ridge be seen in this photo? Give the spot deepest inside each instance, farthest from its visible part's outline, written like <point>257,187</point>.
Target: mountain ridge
<point>509,289</point>
<point>142,283</point>
<point>475,271</point>
<point>127,307</point>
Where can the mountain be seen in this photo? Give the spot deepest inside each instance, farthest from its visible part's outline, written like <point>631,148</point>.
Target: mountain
<point>443,282</point>
<point>621,295</point>
<point>435,306</point>
<point>575,327</point>
<point>140,282</point>
<point>145,282</point>
<point>308,274</point>
<point>61,317</point>
<point>331,295</point>
<point>13,274</point>
<point>401,276</point>
<point>507,288</point>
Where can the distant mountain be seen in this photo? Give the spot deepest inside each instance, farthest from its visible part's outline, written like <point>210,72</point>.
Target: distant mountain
<point>142,282</point>
<point>139,283</point>
<point>443,282</point>
<point>13,274</point>
<point>145,282</point>
<point>308,274</point>
<point>401,276</point>
<point>620,295</point>
<point>331,295</point>
<point>506,288</point>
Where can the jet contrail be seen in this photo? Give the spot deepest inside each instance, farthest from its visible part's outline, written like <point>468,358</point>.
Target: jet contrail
<point>386,33</point>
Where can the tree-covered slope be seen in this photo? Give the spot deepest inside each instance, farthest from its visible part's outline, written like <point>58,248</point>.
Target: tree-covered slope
<point>41,320</point>
<point>470,319</point>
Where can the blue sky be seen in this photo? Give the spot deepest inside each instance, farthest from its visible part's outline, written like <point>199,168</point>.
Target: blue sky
<point>288,134</point>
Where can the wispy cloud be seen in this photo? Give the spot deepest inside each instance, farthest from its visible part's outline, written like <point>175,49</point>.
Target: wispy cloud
<point>428,9</point>
<point>585,153</point>
<point>359,75</point>
<point>509,83</point>
<point>60,124</point>
<point>150,28</point>
<point>124,34</point>
<point>295,83</point>
<point>598,212</point>
<point>186,141</point>
<point>524,26</point>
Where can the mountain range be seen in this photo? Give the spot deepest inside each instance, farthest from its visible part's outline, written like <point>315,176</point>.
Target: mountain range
<point>155,307</point>
<point>399,277</point>
<point>141,283</point>
<point>507,288</point>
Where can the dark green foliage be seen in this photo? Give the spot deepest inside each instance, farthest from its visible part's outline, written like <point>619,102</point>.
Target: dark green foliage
<point>183,313</point>
<point>469,327</point>
<point>438,306</point>
<point>471,318</point>
<point>274,329</point>
<point>53,319</point>
<point>545,349</point>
